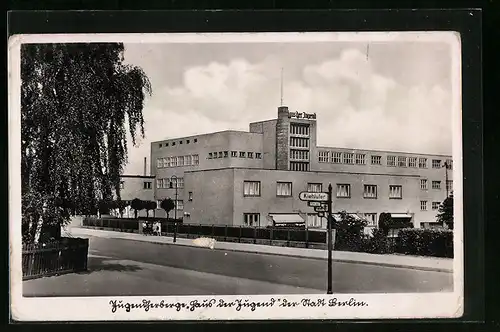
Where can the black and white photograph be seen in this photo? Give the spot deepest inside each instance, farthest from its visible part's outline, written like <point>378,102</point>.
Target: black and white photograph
<point>235,176</point>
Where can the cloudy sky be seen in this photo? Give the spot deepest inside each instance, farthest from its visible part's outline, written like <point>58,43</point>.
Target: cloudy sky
<point>388,96</point>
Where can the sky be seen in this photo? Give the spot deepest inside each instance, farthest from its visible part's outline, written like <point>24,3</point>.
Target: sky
<point>392,96</point>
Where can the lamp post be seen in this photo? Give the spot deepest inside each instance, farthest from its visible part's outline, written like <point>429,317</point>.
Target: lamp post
<point>175,205</point>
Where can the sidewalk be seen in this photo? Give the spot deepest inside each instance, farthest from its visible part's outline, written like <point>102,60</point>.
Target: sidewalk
<point>402,261</point>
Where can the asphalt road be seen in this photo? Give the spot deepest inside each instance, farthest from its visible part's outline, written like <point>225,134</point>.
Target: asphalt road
<point>127,267</point>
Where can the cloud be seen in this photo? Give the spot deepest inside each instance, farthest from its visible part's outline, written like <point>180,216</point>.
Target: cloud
<point>356,106</point>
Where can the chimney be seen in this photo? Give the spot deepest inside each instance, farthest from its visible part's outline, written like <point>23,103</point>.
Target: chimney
<point>145,162</point>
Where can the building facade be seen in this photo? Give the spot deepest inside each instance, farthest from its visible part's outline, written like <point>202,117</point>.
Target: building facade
<point>254,178</point>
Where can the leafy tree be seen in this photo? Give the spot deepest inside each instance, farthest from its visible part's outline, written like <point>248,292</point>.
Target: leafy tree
<point>150,206</point>
<point>77,102</point>
<point>445,213</point>
<point>137,205</point>
<point>168,205</point>
<point>384,222</point>
<point>121,206</point>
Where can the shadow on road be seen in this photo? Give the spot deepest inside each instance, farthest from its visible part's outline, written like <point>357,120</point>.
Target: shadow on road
<point>97,264</point>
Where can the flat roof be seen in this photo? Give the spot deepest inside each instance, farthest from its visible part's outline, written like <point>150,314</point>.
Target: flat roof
<point>206,134</point>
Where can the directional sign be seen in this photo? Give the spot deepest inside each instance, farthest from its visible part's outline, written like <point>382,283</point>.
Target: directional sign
<point>313,203</point>
<point>320,209</point>
<point>318,197</point>
<point>321,214</point>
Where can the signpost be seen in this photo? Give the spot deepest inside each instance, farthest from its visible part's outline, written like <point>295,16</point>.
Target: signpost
<point>322,203</point>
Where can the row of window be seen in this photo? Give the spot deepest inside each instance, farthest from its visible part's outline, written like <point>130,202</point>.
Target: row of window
<point>234,154</point>
<point>178,161</point>
<point>166,144</point>
<point>423,205</point>
<point>299,129</point>
<point>170,183</point>
<point>299,154</point>
<point>284,189</point>
<point>436,184</point>
<point>392,161</point>
<point>299,142</point>
<point>299,166</point>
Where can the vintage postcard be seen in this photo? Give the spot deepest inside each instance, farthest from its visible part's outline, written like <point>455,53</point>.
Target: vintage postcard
<point>228,176</point>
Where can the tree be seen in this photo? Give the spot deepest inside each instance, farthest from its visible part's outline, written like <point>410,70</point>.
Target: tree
<point>121,206</point>
<point>349,231</point>
<point>445,213</point>
<point>137,205</point>
<point>150,205</point>
<point>168,205</point>
<point>77,102</point>
<point>384,222</point>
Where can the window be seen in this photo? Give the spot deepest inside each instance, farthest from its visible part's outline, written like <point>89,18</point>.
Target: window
<point>313,221</point>
<point>348,158</point>
<point>337,157</point>
<point>226,154</point>
<point>159,163</point>
<point>284,189</point>
<point>122,185</point>
<point>179,204</point>
<point>423,184</point>
<point>436,163</point>
<point>180,161</point>
<point>215,155</point>
<point>160,145</point>
<point>180,183</point>
<point>159,183</point>
<point>171,161</point>
<point>188,160</point>
<point>250,155</point>
<point>422,162</point>
<point>190,196</point>
<point>188,141</point>
<point>449,185</point>
<point>210,155</point>
<point>391,161</point>
<point>196,159</point>
<point>423,205</point>
<point>299,154</point>
<point>195,140</point>
<point>395,191</point>
<point>376,160</point>
<point>220,154</point>
<point>242,154</point>
<point>147,185</point>
<point>299,129</point>
<point>370,191</point>
<point>166,183</point>
<point>173,143</point>
<point>323,156</point>
<point>360,159</point>
<point>344,190</point>
<point>166,144</point>
<point>251,219</point>
<point>299,142</point>
<point>449,164</point>
<point>436,184</point>
<point>401,161</point>
<point>258,155</point>
<point>314,187</point>
<point>412,162</point>
<point>166,162</point>
<point>371,218</point>
<point>435,205</point>
<point>234,154</point>
<point>298,166</point>
<point>251,188</point>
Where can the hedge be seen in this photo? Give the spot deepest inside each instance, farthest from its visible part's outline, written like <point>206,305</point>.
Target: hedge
<point>425,242</point>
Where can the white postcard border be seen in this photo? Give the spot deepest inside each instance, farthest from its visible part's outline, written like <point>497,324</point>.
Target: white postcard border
<point>379,306</point>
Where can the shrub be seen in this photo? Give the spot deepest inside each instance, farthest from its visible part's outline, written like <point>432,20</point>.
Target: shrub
<point>378,243</point>
<point>349,233</point>
<point>425,242</point>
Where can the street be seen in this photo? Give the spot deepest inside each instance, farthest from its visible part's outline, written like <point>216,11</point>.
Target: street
<point>124,267</point>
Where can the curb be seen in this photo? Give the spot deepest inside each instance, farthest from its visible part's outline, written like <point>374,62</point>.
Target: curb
<point>339,260</point>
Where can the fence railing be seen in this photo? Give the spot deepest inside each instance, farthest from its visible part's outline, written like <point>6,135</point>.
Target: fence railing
<point>291,237</point>
<point>64,256</point>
